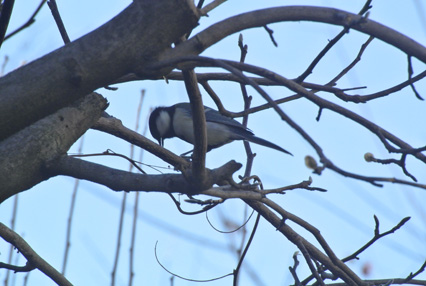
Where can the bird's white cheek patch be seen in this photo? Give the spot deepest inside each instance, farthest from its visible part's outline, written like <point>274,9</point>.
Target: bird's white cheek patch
<point>163,122</point>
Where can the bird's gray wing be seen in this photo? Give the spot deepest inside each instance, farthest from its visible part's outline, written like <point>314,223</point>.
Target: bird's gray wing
<point>214,116</point>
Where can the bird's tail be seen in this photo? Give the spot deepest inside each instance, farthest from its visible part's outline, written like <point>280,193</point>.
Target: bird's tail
<point>265,143</point>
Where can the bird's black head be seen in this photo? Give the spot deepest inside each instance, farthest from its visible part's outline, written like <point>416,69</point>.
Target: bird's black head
<point>160,124</point>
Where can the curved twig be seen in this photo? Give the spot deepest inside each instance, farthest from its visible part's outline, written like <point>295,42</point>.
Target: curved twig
<point>231,231</point>
<point>237,270</point>
<point>184,278</point>
<point>260,18</point>
<point>204,209</point>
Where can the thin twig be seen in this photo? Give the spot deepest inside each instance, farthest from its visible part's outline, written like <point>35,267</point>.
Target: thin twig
<point>308,259</point>
<point>71,214</point>
<point>410,74</point>
<point>5,13</point>
<point>184,278</point>
<point>377,236</point>
<point>270,33</point>
<point>200,129</point>
<point>247,102</point>
<point>329,45</point>
<point>240,262</point>
<point>119,234</point>
<point>12,226</point>
<point>293,269</point>
<point>55,12</point>
<point>352,64</point>
<point>401,163</point>
<point>412,275</point>
<point>136,203</point>
<point>209,205</point>
<point>230,231</point>
<point>112,153</point>
<point>236,68</point>
<point>26,268</point>
<point>30,21</point>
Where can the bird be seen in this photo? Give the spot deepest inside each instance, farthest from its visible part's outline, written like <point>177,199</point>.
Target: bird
<point>176,121</point>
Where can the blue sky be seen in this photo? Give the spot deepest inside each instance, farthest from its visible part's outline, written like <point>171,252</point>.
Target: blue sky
<point>188,245</point>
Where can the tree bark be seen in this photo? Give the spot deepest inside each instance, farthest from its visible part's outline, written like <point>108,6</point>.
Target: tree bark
<point>24,154</point>
<point>133,38</point>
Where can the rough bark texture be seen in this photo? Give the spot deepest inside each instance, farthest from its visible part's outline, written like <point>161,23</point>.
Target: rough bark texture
<point>45,106</point>
<point>134,37</point>
<point>24,154</point>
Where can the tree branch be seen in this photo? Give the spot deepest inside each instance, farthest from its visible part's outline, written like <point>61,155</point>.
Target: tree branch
<point>119,180</point>
<point>259,18</point>
<point>24,153</point>
<point>200,129</point>
<point>113,126</point>
<point>55,13</point>
<point>5,13</point>
<point>345,274</point>
<point>32,257</point>
<point>130,40</point>
<point>30,21</point>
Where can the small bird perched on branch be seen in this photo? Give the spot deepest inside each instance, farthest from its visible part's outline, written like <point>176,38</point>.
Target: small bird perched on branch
<point>176,121</point>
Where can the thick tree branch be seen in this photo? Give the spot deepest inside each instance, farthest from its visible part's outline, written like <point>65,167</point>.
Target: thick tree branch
<point>213,34</point>
<point>119,180</point>
<point>24,153</point>
<point>130,40</point>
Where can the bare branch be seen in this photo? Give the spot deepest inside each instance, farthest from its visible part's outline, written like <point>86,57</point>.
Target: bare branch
<point>330,44</point>
<point>410,74</point>
<point>412,275</point>
<point>71,215</point>
<point>30,21</point>
<point>352,64</point>
<point>200,130</point>
<point>32,257</point>
<point>253,232</point>
<point>113,126</point>
<point>26,268</point>
<point>184,278</point>
<point>377,236</point>
<point>24,154</point>
<point>55,12</point>
<point>119,180</point>
<point>270,33</point>
<point>260,18</point>
<point>5,13</point>
<point>336,267</point>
